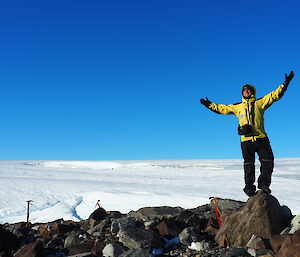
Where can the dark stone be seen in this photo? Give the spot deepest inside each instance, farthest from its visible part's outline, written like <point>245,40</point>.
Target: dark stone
<point>112,215</point>
<point>136,253</point>
<point>189,235</point>
<point>124,223</point>
<point>82,247</point>
<point>149,213</point>
<point>212,226</point>
<point>265,252</point>
<point>98,247</point>
<point>71,239</point>
<point>168,228</point>
<point>99,214</point>
<point>226,204</point>
<point>53,228</point>
<point>55,243</point>
<point>188,218</point>
<point>5,254</point>
<point>31,250</point>
<point>140,238</point>
<point>8,240</point>
<point>98,229</point>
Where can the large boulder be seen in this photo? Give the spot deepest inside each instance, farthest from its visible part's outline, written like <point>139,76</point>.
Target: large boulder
<point>261,216</point>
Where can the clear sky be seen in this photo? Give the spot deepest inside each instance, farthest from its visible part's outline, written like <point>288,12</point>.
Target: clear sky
<point>112,80</point>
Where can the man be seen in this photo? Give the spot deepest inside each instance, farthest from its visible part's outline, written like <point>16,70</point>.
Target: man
<point>250,113</point>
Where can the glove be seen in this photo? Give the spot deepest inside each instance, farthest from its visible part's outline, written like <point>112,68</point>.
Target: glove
<point>206,102</point>
<point>288,78</point>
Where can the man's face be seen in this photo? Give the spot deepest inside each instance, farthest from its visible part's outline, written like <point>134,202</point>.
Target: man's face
<point>247,92</point>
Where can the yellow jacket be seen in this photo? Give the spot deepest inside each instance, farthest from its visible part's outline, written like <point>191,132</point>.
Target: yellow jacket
<point>251,111</point>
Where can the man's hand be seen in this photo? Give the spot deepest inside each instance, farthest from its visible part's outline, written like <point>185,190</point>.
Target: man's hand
<point>288,78</point>
<point>206,102</point>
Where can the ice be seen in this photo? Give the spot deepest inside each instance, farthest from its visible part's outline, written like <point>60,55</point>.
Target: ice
<point>70,189</point>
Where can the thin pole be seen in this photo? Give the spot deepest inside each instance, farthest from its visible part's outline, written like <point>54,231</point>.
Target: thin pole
<point>28,204</point>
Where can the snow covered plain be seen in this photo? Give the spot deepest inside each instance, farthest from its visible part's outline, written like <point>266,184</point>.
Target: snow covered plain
<point>70,189</point>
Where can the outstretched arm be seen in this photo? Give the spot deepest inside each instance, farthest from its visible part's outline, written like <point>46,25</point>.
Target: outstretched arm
<point>275,95</point>
<point>217,108</point>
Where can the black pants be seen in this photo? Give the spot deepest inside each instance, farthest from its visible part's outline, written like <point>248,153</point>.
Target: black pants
<point>264,151</point>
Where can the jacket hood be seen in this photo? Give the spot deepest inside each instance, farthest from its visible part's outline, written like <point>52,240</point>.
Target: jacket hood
<point>253,89</point>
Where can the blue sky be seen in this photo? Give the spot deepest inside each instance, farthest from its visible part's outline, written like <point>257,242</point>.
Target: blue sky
<point>112,80</point>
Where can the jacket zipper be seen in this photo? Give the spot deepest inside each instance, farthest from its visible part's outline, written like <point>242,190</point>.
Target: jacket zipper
<point>248,111</point>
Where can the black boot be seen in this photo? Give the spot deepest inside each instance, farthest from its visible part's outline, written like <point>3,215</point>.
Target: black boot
<point>250,191</point>
<point>266,189</point>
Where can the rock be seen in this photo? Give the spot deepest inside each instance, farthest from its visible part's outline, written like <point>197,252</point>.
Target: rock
<point>97,216</point>
<point>189,235</point>
<point>19,229</point>
<point>5,254</point>
<point>265,252</point>
<point>86,254</point>
<point>266,255</point>
<point>113,215</point>
<point>136,253</point>
<point>31,250</point>
<point>8,240</point>
<point>112,250</point>
<point>52,228</point>
<point>262,216</point>
<point>123,223</point>
<point>252,252</point>
<point>72,239</point>
<point>188,218</point>
<point>236,252</point>
<point>212,226</point>
<point>200,210</point>
<point>168,228</point>
<point>200,246</point>
<point>149,213</point>
<point>97,230</point>
<point>290,246</point>
<point>140,238</point>
<point>54,243</point>
<point>276,242</point>
<point>256,243</point>
<point>150,224</point>
<point>98,247</point>
<point>295,224</point>
<point>226,204</point>
<point>81,248</point>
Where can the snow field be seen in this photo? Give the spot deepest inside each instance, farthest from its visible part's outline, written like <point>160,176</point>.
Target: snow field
<point>70,189</point>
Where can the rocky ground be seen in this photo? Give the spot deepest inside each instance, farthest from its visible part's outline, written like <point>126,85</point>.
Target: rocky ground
<point>259,227</point>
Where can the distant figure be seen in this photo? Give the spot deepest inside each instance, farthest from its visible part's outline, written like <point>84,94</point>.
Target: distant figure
<point>250,113</point>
